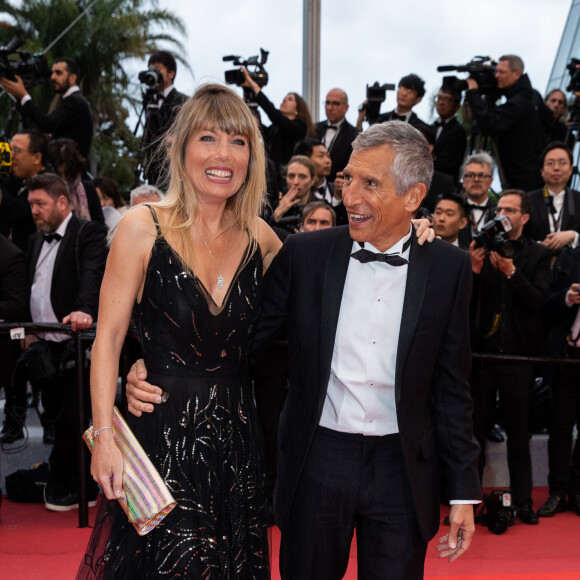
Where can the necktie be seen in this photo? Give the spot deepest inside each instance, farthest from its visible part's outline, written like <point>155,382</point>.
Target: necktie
<point>49,237</point>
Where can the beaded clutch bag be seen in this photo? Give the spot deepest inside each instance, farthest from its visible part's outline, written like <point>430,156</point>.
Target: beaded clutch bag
<point>146,499</point>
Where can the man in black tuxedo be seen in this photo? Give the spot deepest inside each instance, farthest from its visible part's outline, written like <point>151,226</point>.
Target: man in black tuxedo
<point>449,217</point>
<point>161,113</point>
<point>509,293</point>
<point>13,308</point>
<point>555,219</point>
<point>336,133</point>
<point>66,263</point>
<point>72,118</point>
<point>450,136</point>
<point>378,393</point>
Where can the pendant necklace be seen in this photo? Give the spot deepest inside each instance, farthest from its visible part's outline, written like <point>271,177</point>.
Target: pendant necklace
<point>220,278</point>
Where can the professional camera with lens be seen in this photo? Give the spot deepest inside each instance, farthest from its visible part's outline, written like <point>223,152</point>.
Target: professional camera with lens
<point>481,69</point>
<point>151,78</point>
<point>257,72</point>
<point>493,236</point>
<point>497,512</point>
<point>30,68</point>
<point>376,95</point>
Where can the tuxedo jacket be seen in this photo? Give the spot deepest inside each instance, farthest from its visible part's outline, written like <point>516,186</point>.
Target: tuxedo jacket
<point>341,147</point>
<point>304,286</point>
<point>72,118</point>
<point>450,148</point>
<point>538,226</point>
<point>78,268</point>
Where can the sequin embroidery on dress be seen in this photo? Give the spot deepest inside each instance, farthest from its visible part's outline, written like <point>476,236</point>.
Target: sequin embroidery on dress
<point>204,439</point>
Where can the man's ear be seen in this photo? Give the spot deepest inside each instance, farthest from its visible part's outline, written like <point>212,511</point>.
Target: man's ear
<point>525,218</point>
<point>415,196</point>
<point>72,79</point>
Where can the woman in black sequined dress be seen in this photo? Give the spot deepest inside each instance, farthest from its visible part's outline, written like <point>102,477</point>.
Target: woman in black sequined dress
<point>189,269</point>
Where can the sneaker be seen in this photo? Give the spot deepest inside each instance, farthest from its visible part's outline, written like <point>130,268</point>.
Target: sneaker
<point>59,498</point>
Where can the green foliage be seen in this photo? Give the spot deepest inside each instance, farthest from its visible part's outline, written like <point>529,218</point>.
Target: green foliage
<point>101,42</point>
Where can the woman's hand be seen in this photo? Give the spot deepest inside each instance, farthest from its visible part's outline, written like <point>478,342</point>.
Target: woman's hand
<point>107,465</point>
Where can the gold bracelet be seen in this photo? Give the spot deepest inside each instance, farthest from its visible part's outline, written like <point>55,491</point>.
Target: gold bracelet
<point>98,432</point>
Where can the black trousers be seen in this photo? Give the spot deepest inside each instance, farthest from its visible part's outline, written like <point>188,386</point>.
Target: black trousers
<point>352,481</point>
<point>564,465</point>
<point>514,383</point>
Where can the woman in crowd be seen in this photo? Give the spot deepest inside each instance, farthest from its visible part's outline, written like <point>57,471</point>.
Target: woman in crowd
<point>65,157</point>
<point>112,203</point>
<point>190,270</point>
<point>300,179</point>
<point>291,123</point>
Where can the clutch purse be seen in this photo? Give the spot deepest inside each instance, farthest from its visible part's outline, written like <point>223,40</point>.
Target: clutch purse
<point>146,500</point>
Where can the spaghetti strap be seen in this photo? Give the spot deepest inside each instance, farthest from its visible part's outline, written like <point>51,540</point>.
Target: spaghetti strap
<point>155,218</point>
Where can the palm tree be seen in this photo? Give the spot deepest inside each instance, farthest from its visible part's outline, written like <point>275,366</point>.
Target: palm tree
<point>102,42</point>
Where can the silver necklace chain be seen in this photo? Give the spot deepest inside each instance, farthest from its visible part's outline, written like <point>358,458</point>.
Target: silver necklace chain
<point>220,278</point>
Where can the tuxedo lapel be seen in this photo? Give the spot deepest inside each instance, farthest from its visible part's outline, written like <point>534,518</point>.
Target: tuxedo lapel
<point>36,247</point>
<point>332,288</point>
<point>67,240</point>
<point>413,302</point>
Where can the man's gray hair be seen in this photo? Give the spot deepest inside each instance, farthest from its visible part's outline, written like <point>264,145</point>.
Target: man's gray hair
<point>481,158</point>
<point>145,190</point>
<point>514,62</point>
<point>413,162</point>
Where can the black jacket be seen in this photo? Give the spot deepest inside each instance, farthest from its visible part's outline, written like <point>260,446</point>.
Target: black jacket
<point>72,118</point>
<point>450,148</point>
<point>517,129</point>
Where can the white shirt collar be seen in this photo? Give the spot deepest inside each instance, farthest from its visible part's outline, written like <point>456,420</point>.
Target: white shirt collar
<point>70,91</point>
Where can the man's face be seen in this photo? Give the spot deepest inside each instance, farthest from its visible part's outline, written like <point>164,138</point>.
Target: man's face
<point>376,214</point>
<point>166,74</point>
<point>557,103</point>
<point>335,106</point>
<point>47,212</point>
<point>319,219</point>
<point>477,181</point>
<point>446,105</point>
<point>24,163</point>
<point>61,79</point>
<point>407,98</point>
<point>505,76</point>
<point>511,206</point>
<point>321,160</point>
<point>448,219</point>
<point>556,170</point>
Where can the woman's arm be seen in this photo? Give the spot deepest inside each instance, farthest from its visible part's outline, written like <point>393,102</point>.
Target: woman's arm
<point>269,243</point>
<point>122,285</point>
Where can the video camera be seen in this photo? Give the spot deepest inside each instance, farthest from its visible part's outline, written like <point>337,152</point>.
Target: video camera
<point>480,68</point>
<point>258,73</point>
<point>496,511</point>
<point>376,95</point>
<point>30,68</point>
<point>493,236</point>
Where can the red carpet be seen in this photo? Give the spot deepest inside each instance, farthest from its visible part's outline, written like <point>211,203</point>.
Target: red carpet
<point>35,543</point>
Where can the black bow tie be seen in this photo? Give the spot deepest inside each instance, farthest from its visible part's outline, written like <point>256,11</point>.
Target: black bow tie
<point>334,127</point>
<point>473,206</point>
<point>395,117</point>
<point>49,237</point>
<point>365,256</point>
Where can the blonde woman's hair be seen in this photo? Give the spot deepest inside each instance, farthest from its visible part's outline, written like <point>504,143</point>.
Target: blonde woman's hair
<point>213,107</point>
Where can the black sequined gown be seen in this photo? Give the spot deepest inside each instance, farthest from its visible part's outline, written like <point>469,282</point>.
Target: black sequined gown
<point>204,439</point>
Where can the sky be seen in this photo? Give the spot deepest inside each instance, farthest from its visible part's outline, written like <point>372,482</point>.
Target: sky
<point>363,41</point>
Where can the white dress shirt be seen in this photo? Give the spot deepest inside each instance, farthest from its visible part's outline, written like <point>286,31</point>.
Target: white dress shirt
<point>40,305</point>
<point>361,390</point>
<point>558,201</point>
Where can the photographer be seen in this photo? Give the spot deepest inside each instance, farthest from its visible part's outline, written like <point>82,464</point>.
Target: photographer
<point>515,125</point>
<point>508,295</point>
<point>72,117</point>
<point>162,102</point>
<point>290,123</point>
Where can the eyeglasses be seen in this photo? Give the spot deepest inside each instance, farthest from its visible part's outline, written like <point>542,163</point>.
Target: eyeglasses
<point>333,103</point>
<point>446,100</point>
<point>477,176</point>
<point>508,210</point>
<point>17,150</point>
<point>554,162</point>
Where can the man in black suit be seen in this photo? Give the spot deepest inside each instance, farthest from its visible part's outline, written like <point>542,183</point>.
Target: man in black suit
<point>66,263</point>
<point>450,136</point>
<point>509,293</point>
<point>13,308</point>
<point>72,118</point>
<point>161,113</point>
<point>378,393</point>
<point>555,219</point>
<point>336,133</point>
<point>449,217</point>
